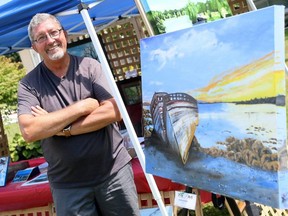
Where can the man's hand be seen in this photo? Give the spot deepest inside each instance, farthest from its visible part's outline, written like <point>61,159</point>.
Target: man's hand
<point>37,111</point>
<point>87,106</point>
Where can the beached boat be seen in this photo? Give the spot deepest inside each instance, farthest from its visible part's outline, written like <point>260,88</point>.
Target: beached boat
<point>156,110</point>
<point>175,118</point>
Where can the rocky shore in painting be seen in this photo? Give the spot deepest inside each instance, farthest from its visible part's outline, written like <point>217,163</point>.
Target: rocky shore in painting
<point>247,151</point>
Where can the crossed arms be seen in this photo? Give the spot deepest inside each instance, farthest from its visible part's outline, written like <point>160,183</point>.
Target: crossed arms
<point>85,116</point>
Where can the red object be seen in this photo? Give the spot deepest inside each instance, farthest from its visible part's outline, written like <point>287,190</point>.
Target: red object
<point>142,184</point>
<point>14,196</point>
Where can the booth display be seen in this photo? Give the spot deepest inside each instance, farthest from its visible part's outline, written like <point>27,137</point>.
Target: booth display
<point>21,195</point>
<point>131,93</point>
<point>215,95</point>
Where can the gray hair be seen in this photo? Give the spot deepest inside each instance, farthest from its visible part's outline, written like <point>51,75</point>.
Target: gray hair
<point>38,19</point>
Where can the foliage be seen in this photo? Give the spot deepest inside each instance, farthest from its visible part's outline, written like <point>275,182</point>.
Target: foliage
<point>210,10</point>
<point>210,210</point>
<point>15,57</point>
<point>20,150</point>
<point>10,74</point>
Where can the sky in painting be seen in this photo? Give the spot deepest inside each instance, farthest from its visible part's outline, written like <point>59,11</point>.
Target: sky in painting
<point>189,59</point>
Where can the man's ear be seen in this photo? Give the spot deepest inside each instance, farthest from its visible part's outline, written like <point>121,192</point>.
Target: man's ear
<point>66,34</point>
<point>34,47</point>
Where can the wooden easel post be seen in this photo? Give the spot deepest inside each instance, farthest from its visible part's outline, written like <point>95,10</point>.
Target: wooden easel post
<point>198,209</point>
<point>234,208</point>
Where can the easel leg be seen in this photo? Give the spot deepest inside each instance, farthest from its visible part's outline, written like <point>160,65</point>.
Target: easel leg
<point>252,209</point>
<point>232,207</point>
<point>198,209</point>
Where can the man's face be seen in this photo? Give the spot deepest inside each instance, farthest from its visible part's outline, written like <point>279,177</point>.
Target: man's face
<point>47,44</point>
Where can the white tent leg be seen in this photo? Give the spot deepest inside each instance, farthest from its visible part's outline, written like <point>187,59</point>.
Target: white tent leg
<point>144,17</point>
<point>251,5</point>
<point>120,103</point>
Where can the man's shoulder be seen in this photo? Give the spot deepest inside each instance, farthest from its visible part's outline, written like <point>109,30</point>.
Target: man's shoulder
<point>85,59</point>
<point>34,72</point>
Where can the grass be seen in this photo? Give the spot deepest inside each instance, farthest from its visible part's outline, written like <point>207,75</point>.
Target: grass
<point>11,130</point>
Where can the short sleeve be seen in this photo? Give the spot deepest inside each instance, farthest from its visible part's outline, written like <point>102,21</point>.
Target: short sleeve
<point>26,98</point>
<point>101,88</point>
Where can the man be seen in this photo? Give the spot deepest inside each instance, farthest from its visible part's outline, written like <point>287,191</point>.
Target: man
<point>65,103</point>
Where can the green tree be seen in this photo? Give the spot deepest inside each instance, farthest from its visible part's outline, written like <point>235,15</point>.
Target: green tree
<point>15,57</point>
<point>10,74</point>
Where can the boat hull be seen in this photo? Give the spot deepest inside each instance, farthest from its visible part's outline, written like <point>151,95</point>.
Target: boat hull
<point>175,118</point>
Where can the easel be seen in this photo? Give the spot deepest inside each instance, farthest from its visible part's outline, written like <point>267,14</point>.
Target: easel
<point>234,207</point>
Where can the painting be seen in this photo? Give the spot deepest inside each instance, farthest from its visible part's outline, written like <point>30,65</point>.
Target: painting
<point>214,106</point>
<point>83,48</point>
<point>169,15</point>
<point>40,179</point>
<point>4,163</point>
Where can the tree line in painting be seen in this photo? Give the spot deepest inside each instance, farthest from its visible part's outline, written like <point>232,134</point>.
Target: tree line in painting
<point>209,11</point>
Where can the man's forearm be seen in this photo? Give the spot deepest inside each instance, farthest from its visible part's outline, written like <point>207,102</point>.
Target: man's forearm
<point>46,125</point>
<point>104,115</point>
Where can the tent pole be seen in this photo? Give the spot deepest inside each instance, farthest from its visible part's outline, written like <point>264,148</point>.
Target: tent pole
<point>251,4</point>
<point>121,106</point>
<point>144,17</point>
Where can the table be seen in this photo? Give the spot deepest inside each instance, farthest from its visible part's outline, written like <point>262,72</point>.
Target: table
<point>16,197</point>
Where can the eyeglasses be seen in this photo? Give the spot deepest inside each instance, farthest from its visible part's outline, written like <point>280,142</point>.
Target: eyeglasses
<point>53,34</point>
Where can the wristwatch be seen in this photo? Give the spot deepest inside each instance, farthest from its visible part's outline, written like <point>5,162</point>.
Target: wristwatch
<point>67,131</point>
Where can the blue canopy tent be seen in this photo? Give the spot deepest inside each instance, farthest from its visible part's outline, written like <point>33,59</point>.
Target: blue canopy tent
<point>77,17</point>
<point>16,14</point>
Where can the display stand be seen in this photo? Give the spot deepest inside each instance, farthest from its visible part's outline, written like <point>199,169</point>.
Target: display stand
<point>234,207</point>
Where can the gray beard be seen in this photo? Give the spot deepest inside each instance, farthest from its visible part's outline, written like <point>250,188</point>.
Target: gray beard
<point>56,56</point>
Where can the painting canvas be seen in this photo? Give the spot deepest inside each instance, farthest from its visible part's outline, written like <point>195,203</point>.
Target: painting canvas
<point>40,179</point>
<point>169,15</point>
<point>4,162</point>
<point>84,49</point>
<point>214,106</point>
